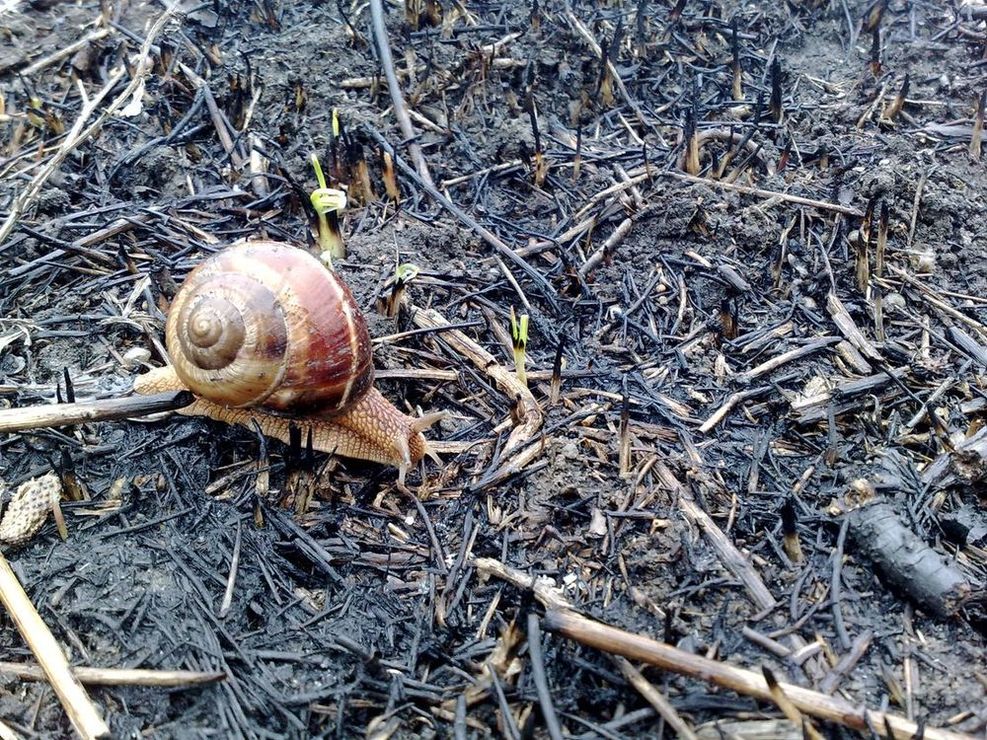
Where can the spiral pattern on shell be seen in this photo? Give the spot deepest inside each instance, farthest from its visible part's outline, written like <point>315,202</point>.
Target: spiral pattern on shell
<point>266,324</point>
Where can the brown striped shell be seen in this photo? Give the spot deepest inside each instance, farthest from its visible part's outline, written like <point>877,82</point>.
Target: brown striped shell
<point>266,324</point>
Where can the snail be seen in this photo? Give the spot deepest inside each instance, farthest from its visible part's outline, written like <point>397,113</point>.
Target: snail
<point>263,332</point>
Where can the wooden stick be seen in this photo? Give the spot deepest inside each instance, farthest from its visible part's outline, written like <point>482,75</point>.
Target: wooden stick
<point>842,398</point>
<point>930,296</point>
<point>81,712</point>
<point>508,382</point>
<point>905,562</point>
<point>793,354</point>
<point>81,246</point>
<point>721,413</point>
<point>65,414</point>
<point>216,116</point>
<point>594,260</point>
<point>748,683</point>
<point>7,732</point>
<point>788,708</point>
<point>844,322</point>
<point>118,676</point>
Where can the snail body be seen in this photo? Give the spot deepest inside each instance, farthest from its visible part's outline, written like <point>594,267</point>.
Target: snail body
<point>262,332</point>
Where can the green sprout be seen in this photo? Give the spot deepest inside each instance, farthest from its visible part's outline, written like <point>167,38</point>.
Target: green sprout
<point>519,338</point>
<point>403,274</point>
<point>328,204</point>
<point>406,273</point>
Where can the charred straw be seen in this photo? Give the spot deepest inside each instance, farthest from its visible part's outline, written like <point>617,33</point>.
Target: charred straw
<point>69,387</point>
<point>691,139</point>
<point>874,14</point>
<point>336,174</point>
<point>728,318</point>
<point>519,340</point>
<point>899,100</point>
<point>556,384</point>
<point>882,240</point>
<point>412,13</point>
<point>433,12</point>
<point>300,97</point>
<point>73,489</point>
<point>125,260</point>
<point>868,221</point>
<point>577,160</point>
<point>789,530</point>
<point>640,24</point>
<point>604,85</point>
<point>879,253</point>
<point>775,105</point>
<point>875,52</point>
<point>540,162</point>
<point>786,154</point>
<point>738,82</point>
<point>390,177</point>
<point>978,127</point>
<point>624,454</point>
<point>866,245</point>
<point>676,14</point>
<point>362,174</point>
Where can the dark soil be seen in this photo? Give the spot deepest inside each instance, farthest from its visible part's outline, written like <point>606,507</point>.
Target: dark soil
<point>353,619</point>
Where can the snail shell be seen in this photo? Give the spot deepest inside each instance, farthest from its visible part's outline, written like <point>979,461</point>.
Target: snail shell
<point>267,324</point>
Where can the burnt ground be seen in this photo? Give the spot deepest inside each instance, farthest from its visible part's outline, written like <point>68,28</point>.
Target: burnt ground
<point>366,615</point>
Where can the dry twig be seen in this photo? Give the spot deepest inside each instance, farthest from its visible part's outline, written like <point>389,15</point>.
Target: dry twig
<point>65,414</point>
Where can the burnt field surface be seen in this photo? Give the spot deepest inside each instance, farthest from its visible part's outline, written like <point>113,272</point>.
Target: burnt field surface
<point>740,493</point>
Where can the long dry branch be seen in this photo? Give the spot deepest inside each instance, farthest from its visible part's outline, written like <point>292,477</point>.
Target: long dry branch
<point>562,619</point>
<point>746,682</point>
<point>731,558</point>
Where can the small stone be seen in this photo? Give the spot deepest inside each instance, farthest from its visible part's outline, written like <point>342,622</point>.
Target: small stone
<point>894,302</point>
<point>135,357</point>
